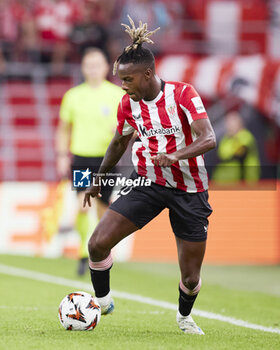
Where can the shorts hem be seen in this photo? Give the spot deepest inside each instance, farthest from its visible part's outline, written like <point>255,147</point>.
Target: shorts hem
<point>188,239</point>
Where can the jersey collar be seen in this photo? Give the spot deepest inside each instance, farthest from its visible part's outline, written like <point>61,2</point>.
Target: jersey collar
<point>159,96</point>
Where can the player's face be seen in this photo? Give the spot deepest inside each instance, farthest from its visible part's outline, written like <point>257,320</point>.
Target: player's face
<point>135,80</point>
<point>94,67</point>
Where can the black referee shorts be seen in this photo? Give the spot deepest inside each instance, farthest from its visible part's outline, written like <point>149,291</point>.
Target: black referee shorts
<point>93,163</point>
<point>188,212</point>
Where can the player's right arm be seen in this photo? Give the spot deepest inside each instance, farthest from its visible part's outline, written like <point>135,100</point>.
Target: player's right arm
<point>62,142</point>
<point>63,135</point>
<point>115,150</point>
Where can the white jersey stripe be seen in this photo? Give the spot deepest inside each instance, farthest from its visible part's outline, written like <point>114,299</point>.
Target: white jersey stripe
<point>202,173</point>
<point>188,114</point>
<point>127,128</point>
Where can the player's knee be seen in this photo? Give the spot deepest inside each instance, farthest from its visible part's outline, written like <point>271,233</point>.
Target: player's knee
<point>191,281</point>
<point>97,245</point>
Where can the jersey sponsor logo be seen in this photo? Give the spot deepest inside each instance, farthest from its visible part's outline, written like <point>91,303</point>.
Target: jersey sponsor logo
<point>160,131</point>
<point>198,104</point>
<point>81,178</point>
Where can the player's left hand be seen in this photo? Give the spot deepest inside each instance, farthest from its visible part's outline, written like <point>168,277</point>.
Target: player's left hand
<point>164,160</point>
<point>91,192</point>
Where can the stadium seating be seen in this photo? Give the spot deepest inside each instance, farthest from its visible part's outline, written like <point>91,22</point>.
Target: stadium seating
<point>28,117</point>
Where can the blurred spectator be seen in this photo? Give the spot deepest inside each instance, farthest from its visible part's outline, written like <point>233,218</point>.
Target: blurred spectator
<point>90,30</point>
<point>2,64</point>
<point>11,14</point>
<point>152,12</point>
<point>54,21</point>
<point>30,45</point>
<point>238,153</point>
<point>28,42</point>
<point>104,11</point>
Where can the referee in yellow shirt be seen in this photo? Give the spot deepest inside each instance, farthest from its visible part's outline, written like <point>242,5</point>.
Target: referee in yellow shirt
<point>86,126</point>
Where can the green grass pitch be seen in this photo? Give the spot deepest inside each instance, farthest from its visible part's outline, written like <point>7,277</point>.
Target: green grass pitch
<point>29,308</point>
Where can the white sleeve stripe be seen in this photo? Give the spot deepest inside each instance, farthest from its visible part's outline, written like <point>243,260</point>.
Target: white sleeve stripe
<point>127,129</point>
<point>188,114</point>
<point>182,90</point>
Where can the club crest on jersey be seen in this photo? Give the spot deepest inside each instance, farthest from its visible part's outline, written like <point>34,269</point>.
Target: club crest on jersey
<point>171,110</point>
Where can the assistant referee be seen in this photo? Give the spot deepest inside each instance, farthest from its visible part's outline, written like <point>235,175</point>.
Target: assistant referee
<point>86,126</point>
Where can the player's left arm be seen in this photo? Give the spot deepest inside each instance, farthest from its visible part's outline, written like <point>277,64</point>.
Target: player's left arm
<point>205,141</point>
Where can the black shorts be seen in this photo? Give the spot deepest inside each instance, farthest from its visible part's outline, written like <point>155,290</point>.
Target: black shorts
<point>188,212</point>
<point>93,163</point>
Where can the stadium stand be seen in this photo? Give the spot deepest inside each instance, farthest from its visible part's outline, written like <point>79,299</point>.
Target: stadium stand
<point>28,118</point>
<point>192,40</point>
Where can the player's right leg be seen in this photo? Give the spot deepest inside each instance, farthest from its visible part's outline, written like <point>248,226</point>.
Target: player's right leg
<point>112,228</point>
<point>135,207</point>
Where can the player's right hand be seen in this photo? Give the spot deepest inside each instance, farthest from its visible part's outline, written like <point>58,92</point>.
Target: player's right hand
<point>93,191</point>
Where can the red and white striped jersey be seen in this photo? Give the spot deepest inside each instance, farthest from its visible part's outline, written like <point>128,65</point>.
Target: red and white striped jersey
<point>164,126</point>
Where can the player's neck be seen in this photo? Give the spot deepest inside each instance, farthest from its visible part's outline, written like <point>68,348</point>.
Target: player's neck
<point>154,89</point>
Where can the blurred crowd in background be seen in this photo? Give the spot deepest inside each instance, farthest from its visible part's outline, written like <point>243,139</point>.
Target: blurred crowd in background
<point>55,33</point>
<point>59,30</point>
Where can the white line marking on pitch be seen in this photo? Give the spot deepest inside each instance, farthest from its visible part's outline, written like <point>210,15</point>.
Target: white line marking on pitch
<point>38,276</point>
<point>28,308</point>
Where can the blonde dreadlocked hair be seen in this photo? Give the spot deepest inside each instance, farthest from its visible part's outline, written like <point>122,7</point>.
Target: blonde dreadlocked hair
<point>135,53</point>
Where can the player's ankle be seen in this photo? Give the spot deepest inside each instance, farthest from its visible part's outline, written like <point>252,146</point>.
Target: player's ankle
<point>104,301</point>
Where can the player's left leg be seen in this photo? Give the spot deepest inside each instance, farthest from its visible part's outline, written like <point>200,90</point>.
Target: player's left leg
<point>112,228</point>
<point>189,214</point>
<point>190,255</point>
